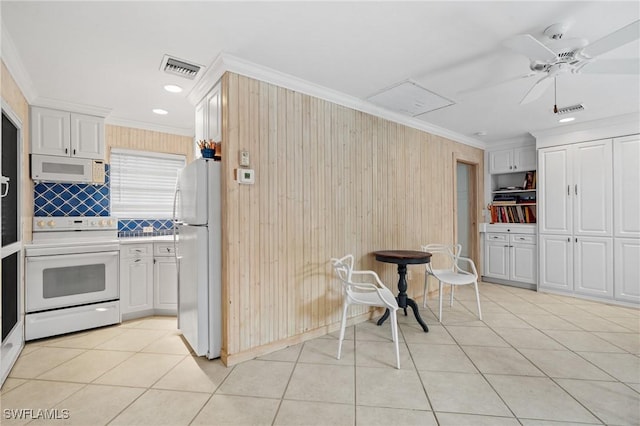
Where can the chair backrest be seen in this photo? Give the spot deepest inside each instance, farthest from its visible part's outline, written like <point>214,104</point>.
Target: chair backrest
<point>343,268</point>
<point>444,256</point>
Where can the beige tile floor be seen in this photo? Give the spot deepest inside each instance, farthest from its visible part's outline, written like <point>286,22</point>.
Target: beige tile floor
<point>535,359</point>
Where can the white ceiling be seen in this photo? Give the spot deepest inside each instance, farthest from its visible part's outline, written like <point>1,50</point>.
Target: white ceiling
<point>107,54</point>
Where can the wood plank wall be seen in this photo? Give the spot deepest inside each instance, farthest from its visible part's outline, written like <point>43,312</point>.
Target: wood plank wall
<point>329,181</point>
<point>147,140</point>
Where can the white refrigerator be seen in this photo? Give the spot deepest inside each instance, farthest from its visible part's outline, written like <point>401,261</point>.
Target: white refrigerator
<point>198,255</point>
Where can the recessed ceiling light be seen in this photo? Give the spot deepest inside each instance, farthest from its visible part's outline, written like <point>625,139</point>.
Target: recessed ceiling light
<point>161,111</point>
<point>173,88</point>
<point>566,120</point>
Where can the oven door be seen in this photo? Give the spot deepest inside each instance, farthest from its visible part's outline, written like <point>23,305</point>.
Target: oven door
<point>64,280</point>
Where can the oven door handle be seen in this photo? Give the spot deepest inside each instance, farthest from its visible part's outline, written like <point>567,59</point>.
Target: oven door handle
<point>77,252</point>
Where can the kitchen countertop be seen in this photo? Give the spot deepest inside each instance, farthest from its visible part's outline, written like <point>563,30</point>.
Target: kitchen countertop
<point>142,240</point>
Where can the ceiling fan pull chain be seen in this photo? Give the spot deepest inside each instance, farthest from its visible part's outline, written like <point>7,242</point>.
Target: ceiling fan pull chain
<point>555,95</point>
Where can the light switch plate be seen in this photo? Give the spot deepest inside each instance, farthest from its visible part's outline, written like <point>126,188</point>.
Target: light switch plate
<point>244,158</point>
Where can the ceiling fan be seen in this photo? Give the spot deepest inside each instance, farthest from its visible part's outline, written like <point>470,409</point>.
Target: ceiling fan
<point>572,55</point>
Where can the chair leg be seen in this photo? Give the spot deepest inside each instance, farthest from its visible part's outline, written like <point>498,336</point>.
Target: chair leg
<point>343,325</point>
<point>451,295</point>
<point>475,284</point>
<point>424,296</point>
<point>394,334</point>
<point>440,301</point>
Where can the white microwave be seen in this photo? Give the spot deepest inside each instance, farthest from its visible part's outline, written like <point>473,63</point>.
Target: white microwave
<point>51,168</point>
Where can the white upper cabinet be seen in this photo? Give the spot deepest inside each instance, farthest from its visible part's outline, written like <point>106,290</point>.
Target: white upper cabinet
<point>575,184</point>
<point>512,160</point>
<point>626,179</point>
<point>554,172</point>
<point>66,134</point>
<point>592,188</point>
<point>209,117</point>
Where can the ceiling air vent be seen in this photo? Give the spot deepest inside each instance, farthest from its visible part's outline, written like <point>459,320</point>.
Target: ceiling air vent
<point>179,67</point>
<point>570,109</point>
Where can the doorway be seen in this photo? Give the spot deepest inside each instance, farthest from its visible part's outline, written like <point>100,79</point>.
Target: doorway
<point>465,202</point>
<point>11,313</point>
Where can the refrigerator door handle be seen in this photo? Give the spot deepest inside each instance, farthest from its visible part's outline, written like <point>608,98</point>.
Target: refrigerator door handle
<point>178,260</point>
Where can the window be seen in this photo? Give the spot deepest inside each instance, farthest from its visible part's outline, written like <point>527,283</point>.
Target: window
<point>143,183</point>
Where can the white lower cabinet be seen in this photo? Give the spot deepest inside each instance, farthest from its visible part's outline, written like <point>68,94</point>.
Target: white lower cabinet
<point>510,257</point>
<point>148,280</point>
<point>136,279</point>
<point>627,269</point>
<point>165,279</point>
<point>583,265</point>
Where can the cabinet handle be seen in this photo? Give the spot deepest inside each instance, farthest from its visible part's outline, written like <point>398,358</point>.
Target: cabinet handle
<point>568,190</point>
<point>576,188</point>
<point>74,151</point>
<point>506,246</point>
<point>515,167</point>
<point>568,239</point>
<point>137,260</point>
<point>576,239</point>
<point>521,238</point>
<point>154,261</point>
<point>510,167</point>
<point>66,150</point>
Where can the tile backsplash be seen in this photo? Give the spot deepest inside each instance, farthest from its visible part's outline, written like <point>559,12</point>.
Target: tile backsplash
<point>72,199</point>
<point>69,199</point>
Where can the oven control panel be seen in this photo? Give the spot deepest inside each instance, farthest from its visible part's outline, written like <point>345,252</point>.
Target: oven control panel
<point>74,223</point>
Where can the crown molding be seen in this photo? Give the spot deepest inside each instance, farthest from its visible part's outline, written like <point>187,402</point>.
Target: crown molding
<point>16,68</point>
<point>123,122</point>
<point>229,63</point>
<point>71,106</point>
<point>620,125</point>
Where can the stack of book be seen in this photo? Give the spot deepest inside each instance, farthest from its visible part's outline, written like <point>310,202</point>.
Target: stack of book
<point>513,214</point>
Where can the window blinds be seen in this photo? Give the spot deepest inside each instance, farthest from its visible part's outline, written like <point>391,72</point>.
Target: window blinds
<point>143,183</point>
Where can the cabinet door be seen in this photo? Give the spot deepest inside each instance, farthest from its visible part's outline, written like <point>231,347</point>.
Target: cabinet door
<point>136,284</point>
<point>501,161</point>
<point>165,283</point>
<point>626,181</point>
<point>87,136</point>
<point>556,262</point>
<point>593,264</point>
<point>214,129</point>
<point>524,158</point>
<point>555,200</point>
<point>200,125</point>
<point>50,131</point>
<point>627,270</point>
<point>523,263</point>
<point>592,188</point>
<point>496,259</point>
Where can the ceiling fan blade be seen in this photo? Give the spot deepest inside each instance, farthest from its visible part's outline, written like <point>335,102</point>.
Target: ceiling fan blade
<point>537,90</point>
<point>614,40</point>
<point>530,47</point>
<point>613,66</point>
<point>496,83</point>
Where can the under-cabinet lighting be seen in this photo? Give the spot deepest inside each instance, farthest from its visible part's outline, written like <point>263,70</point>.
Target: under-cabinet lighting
<point>566,120</point>
<point>161,111</point>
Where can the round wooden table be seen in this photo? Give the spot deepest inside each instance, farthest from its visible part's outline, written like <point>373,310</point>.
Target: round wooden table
<point>402,258</point>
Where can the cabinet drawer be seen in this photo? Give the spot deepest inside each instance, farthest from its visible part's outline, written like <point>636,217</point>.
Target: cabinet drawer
<point>136,250</point>
<point>523,238</point>
<point>163,249</point>
<point>497,237</point>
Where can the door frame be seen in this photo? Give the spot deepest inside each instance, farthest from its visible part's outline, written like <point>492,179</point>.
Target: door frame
<point>476,185</point>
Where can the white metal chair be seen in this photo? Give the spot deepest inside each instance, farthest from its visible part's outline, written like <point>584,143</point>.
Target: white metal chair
<point>364,293</point>
<point>453,277</point>
<point>440,254</point>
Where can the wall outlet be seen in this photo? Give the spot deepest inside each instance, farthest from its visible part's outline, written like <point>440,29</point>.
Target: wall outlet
<point>147,229</point>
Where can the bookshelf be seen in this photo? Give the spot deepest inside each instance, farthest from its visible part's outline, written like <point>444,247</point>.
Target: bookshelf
<point>514,198</point>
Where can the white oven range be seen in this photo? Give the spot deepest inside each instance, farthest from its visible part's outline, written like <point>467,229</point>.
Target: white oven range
<point>72,275</point>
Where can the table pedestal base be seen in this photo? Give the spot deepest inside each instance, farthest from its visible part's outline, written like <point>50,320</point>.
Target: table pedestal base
<point>414,306</point>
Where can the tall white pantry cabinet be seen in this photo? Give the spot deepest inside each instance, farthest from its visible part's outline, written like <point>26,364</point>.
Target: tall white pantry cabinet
<point>589,218</point>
